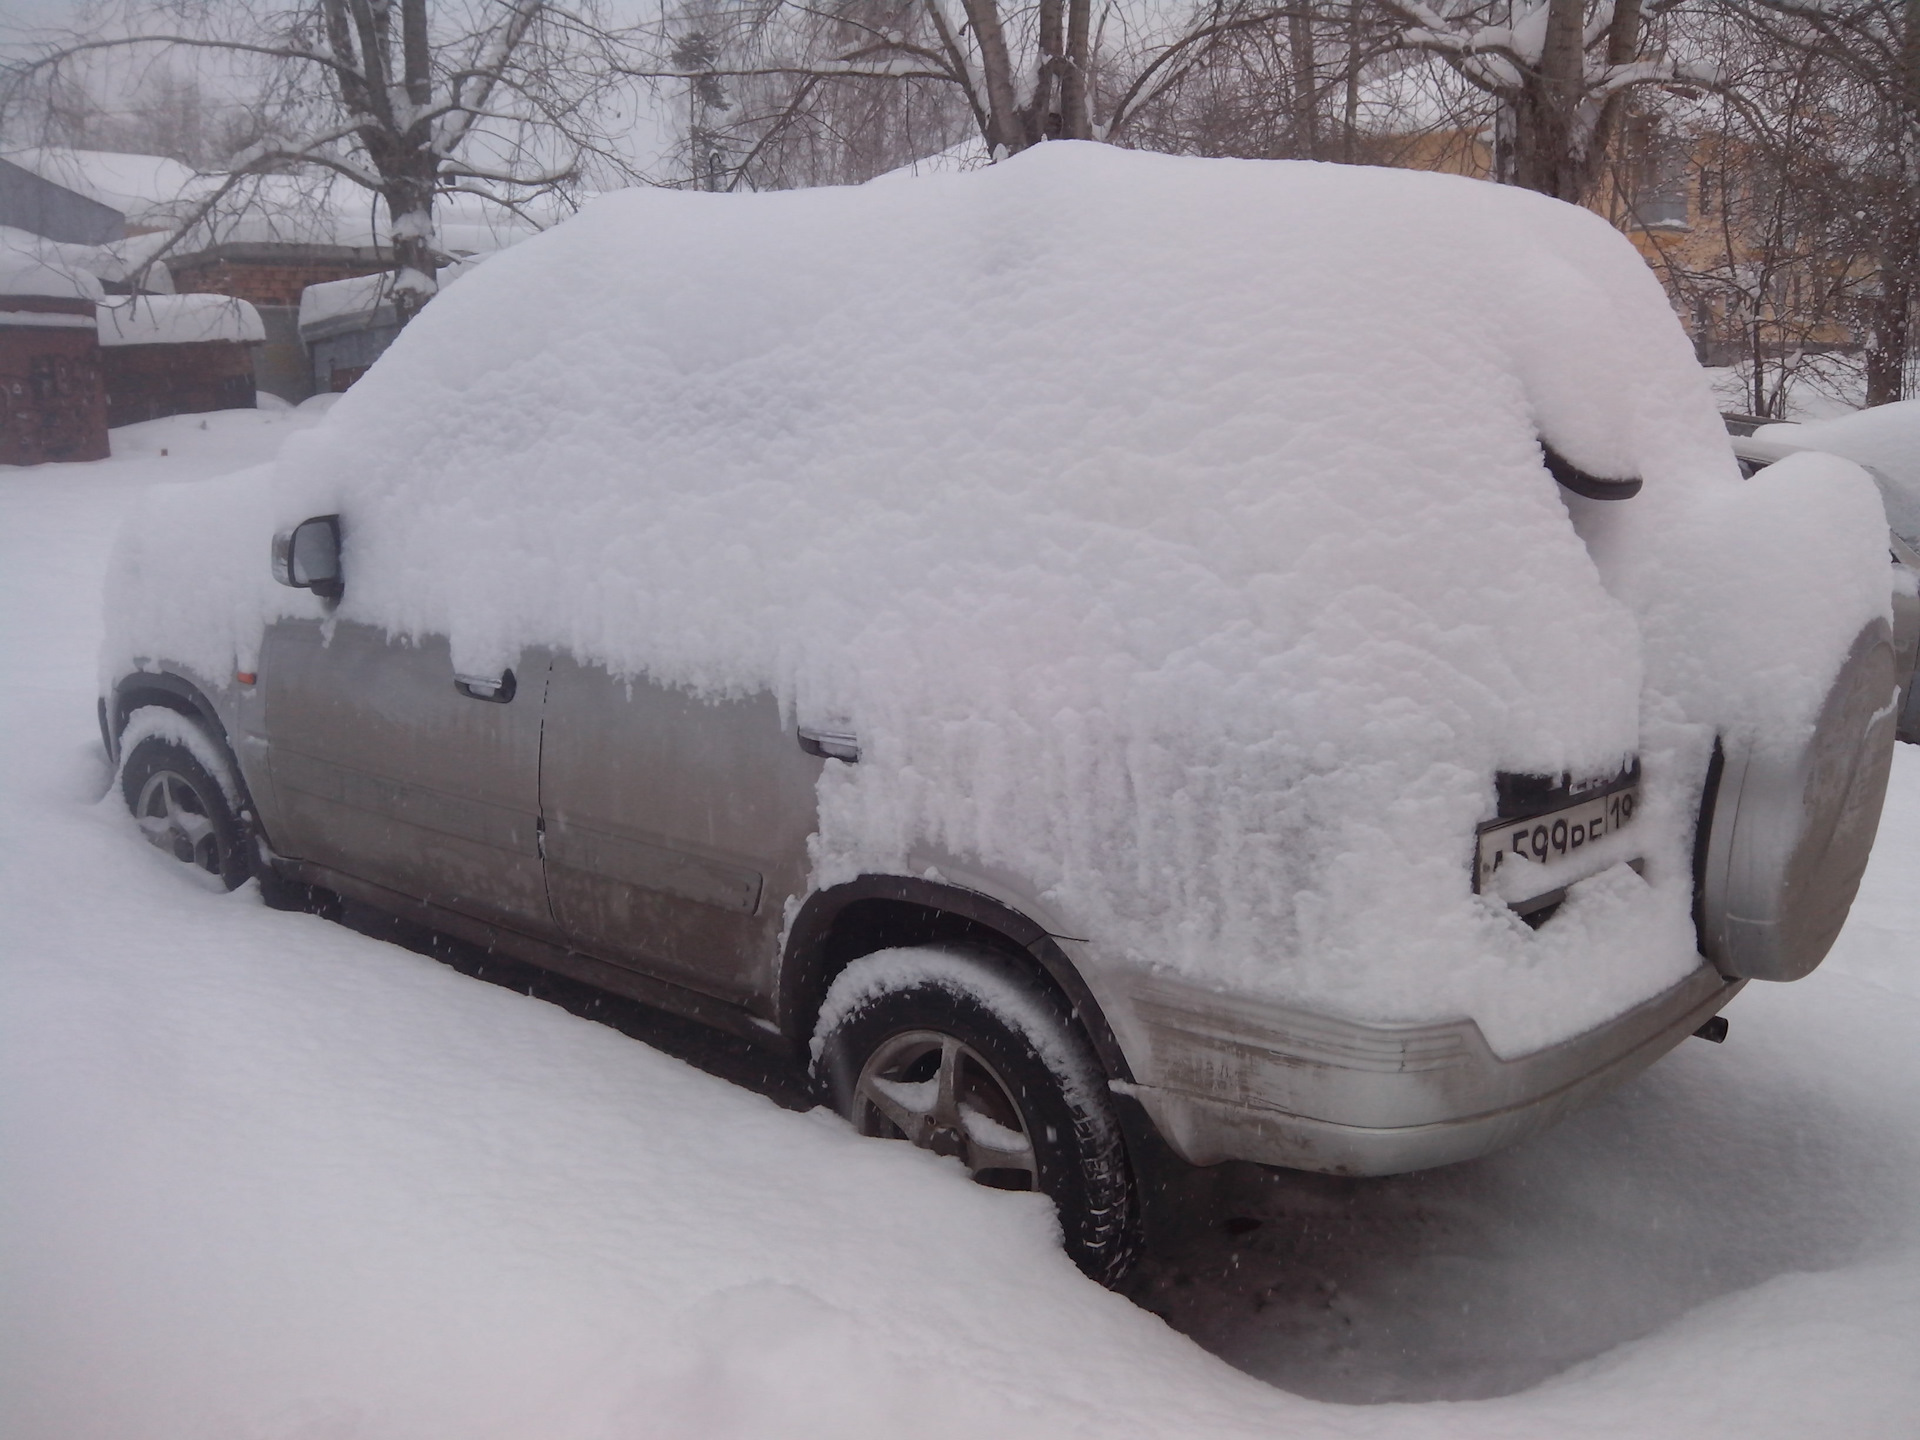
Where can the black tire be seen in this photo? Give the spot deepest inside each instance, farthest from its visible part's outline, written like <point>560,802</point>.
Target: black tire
<point>183,810</point>
<point>1008,1055</point>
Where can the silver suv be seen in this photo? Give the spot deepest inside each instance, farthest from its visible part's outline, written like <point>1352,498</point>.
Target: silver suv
<point>675,388</point>
<point>655,845</point>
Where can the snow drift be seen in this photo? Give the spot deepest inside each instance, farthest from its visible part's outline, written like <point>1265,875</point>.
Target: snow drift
<point>1175,534</point>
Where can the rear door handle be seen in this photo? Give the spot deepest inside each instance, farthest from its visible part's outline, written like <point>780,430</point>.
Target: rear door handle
<point>495,688</point>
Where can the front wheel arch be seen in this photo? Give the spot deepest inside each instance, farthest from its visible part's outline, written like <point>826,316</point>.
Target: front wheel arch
<point>168,691</point>
<point>182,804</point>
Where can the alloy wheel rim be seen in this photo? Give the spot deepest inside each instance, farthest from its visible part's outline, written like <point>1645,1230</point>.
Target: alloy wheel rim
<point>175,817</point>
<point>939,1093</point>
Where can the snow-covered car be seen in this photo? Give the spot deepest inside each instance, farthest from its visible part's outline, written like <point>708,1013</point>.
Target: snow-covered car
<point>1902,499</point>
<point>1271,660</point>
<point>1884,438</point>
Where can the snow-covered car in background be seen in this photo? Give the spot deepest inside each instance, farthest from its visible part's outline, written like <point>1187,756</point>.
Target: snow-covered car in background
<point>1885,439</point>
<point>1885,442</point>
<point>1274,657</point>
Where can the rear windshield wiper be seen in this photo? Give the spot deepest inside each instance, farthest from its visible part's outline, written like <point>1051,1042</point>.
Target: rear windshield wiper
<point>1581,483</point>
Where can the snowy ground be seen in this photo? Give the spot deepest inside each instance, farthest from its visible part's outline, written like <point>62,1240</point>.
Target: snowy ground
<point>266,1176</point>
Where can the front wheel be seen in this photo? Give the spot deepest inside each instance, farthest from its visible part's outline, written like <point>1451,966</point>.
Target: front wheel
<point>957,1053</point>
<point>170,777</point>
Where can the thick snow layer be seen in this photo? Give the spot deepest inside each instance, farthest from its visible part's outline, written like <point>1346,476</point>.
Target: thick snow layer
<point>179,320</point>
<point>140,187</point>
<point>270,1180</point>
<point>152,191</point>
<point>356,295</point>
<point>365,296</point>
<point>116,262</point>
<point>1174,533</point>
<point>28,268</point>
<point>1885,438</point>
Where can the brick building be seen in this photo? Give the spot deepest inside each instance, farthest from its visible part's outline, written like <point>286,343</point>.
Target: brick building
<point>52,402</point>
<point>270,276</point>
<point>177,355</point>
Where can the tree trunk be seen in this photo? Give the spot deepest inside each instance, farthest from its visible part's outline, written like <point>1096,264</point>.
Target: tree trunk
<point>1890,336</point>
<point>416,256</point>
<point>1541,144</point>
<point>1306,129</point>
<point>1004,129</point>
<point>1551,135</point>
<point>1076,100</point>
<point>1349,139</point>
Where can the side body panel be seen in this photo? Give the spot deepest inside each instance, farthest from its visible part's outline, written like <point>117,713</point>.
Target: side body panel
<point>382,769</point>
<point>676,829</point>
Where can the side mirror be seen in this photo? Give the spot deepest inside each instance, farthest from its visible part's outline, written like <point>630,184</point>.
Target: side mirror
<point>307,557</point>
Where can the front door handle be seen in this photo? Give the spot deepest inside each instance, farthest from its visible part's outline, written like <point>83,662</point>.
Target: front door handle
<point>831,744</point>
<point>495,688</point>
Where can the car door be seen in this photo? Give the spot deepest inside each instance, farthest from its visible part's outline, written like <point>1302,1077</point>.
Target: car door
<point>388,766</point>
<point>676,828</point>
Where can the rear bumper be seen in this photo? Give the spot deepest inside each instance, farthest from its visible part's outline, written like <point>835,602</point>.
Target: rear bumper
<point>1232,1079</point>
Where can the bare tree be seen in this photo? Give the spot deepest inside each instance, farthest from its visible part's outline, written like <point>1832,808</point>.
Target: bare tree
<point>1767,269</point>
<point>1560,71</point>
<point>410,101</point>
<point>1013,74</point>
<point>165,113</point>
<point>1875,44</point>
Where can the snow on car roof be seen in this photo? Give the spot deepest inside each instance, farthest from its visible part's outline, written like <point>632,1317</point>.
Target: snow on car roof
<point>1175,534</point>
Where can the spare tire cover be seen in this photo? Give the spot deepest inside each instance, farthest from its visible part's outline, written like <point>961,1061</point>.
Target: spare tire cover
<point>1789,827</point>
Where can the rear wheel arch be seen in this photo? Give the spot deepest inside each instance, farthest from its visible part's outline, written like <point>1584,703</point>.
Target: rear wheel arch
<point>880,912</point>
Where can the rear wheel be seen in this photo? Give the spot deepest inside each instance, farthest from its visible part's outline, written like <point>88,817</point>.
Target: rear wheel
<point>182,809</point>
<point>957,1053</point>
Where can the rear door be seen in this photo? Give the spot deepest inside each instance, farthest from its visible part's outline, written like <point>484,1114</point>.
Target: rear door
<point>389,767</point>
<point>676,828</point>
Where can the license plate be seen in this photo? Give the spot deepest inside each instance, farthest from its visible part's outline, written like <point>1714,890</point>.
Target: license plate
<point>1556,835</point>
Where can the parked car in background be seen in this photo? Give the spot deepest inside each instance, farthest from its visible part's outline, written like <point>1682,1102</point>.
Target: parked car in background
<point>1102,654</point>
<point>1885,443</point>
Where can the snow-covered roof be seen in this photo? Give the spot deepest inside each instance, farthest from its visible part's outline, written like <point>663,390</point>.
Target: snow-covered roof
<point>31,266</point>
<point>154,192</point>
<point>144,188</point>
<point>115,262</point>
<point>1174,533</point>
<point>178,320</point>
<point>357,297</point>
<point>359,300</point>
